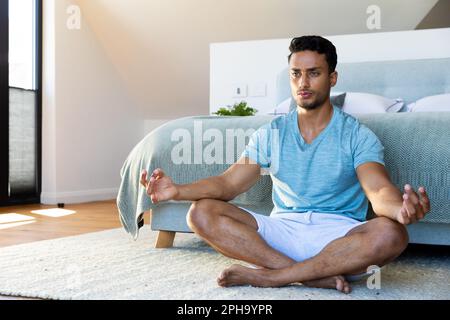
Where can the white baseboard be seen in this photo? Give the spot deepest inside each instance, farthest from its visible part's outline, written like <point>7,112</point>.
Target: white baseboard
<point>79,196</point>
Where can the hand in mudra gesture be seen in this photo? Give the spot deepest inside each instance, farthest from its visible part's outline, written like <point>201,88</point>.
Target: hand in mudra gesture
<point>160,187</point>
<point>415,206</point>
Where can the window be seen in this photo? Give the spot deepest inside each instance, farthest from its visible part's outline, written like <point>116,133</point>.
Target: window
<point>20,100</point>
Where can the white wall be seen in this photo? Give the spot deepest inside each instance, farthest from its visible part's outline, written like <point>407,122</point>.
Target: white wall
<point>160,48</point>
<point>250,63</point>
<point>247,64</point>
<point>89,122</point>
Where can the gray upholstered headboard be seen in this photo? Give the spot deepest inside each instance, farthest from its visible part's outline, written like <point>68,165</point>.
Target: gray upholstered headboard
<point>406,79</point>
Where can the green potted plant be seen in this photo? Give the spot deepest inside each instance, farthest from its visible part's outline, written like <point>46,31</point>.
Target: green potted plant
<point>238,109</point>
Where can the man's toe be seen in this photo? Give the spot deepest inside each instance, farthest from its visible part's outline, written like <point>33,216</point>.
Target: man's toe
<point>339,284</point>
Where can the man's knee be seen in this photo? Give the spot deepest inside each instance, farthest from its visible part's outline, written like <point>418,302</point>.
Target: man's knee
<point>389,238</point>
<point>201,214</point>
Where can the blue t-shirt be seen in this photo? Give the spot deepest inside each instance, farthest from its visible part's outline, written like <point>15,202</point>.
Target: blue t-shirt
<point>320,176</point>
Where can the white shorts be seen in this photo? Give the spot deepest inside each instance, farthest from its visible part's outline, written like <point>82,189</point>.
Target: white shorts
<point>301,236</point>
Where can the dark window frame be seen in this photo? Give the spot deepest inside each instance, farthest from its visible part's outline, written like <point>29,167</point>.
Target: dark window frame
<point>29,198</point>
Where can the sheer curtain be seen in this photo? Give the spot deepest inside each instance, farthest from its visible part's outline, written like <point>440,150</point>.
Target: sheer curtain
<point>22,141</point>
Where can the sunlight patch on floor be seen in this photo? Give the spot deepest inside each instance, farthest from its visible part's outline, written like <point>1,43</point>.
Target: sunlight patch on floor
<point>54,213</point>
<point>14,224</point>
<point>12,220</point>
<point>13,217</point>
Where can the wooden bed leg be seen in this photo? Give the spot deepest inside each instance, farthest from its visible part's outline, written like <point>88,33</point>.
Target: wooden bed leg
<point>165,239</point>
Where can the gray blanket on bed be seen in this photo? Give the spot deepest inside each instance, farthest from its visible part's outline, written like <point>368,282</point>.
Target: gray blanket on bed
<point>417,151</point>
<point>161,147</point>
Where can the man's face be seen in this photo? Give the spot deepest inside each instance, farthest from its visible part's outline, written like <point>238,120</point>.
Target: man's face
<point>310,79</point>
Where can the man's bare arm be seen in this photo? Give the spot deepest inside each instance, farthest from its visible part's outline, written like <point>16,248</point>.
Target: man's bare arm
<point>387,200</point>
<point>240,177</point>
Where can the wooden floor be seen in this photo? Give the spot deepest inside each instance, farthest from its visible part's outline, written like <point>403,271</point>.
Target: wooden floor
<point>19,225</point>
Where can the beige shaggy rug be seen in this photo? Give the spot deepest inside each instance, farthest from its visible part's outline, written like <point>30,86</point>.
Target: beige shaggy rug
<point>110,265</point>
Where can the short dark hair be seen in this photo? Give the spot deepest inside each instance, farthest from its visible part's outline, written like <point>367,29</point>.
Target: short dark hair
<point>318,44</point>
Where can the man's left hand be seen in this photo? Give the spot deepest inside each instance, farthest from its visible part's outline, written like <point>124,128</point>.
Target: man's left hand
<point>414,207</point>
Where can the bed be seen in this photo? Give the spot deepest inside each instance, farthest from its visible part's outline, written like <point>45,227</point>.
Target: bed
<point>417,149</point>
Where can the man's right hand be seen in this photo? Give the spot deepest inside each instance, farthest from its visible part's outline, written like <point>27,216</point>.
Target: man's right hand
<point>160,187</point>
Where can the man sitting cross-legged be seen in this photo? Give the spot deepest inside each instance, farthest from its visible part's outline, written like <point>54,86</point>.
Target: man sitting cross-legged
<point>324,166</point>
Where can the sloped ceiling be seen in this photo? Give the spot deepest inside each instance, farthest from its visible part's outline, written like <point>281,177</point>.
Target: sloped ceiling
<point>437,17</point>
<point>161,47</point>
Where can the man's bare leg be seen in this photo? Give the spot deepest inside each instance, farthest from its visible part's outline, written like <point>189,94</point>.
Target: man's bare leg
<point>233,232</point>
<point>377,242</point>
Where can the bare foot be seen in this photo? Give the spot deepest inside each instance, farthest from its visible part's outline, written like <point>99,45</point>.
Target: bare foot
<point>336,282</point>
<point>237,275</point>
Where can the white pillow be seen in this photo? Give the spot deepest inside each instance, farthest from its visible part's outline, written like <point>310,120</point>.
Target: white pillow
<point>440,102</point>
<point>359,102</point>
